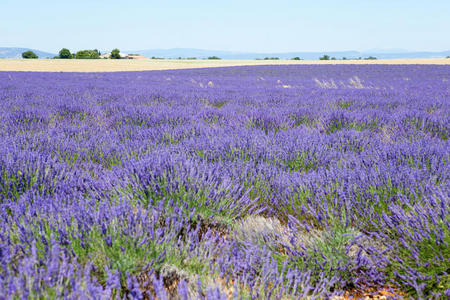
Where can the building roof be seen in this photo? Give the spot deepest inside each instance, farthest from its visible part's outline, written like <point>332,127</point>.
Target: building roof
<point>107,55</point>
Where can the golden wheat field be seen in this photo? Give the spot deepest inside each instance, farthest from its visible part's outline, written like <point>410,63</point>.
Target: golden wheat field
<point>106,65</point>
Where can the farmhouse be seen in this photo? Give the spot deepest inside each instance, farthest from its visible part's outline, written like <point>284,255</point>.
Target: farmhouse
<point>122,55</point>
<point>136,56</point>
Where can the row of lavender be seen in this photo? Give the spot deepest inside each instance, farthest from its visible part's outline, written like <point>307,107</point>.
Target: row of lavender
<point>264,182</point>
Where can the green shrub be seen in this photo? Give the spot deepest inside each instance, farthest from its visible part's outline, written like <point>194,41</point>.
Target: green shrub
<point>325,57</point>
<point>65,54</point>
<point>296,58</point>
<point>214,57</point>
<point>115,54</point>
<point>29,54</point>
<point>87,54</point>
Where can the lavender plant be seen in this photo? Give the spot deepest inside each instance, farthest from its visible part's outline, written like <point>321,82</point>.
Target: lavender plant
<point>278,182</point>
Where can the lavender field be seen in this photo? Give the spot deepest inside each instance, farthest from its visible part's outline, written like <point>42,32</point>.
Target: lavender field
<point>263,182</point>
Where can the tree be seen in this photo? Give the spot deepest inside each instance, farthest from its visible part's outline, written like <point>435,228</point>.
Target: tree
<point>29,54</point>
<point>325,57</point>
<point>296,58</point>
<point>213,57</point>
<point>65,54</point>
<point>87,54</point>
<point>115,54</point>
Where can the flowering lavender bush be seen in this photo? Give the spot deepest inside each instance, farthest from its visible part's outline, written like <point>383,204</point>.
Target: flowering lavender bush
<point>243,182</point>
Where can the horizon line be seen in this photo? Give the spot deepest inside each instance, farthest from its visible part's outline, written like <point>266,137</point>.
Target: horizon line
<point>381,50</point>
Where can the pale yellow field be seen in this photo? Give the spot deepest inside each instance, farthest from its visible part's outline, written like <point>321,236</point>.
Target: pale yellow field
<point>107,65</point>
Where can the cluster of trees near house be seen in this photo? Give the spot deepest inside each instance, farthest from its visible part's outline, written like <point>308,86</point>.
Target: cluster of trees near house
<point>65,53</point>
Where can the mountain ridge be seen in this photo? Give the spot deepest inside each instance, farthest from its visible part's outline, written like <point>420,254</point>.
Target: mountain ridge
<point>309,55</point>
<point>16,52</point>
<point>173,53</point>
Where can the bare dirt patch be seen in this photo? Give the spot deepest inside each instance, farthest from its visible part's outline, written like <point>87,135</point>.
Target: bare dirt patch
<point>106,65</point>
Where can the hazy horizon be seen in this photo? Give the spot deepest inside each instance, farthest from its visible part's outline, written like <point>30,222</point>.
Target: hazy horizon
<point>122,49</point>
<point>253,26</point>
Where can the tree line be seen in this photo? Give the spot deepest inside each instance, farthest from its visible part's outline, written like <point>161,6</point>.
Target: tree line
<point>65,53</point>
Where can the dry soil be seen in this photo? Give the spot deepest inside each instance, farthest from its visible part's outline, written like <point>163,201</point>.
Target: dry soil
<point>107,65</point>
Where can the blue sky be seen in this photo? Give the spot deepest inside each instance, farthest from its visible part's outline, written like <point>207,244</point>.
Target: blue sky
<point>248,26</point>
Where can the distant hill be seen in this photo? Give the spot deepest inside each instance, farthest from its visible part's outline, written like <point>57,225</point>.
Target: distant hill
<point>200,53</point>
<point>8,52</point>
